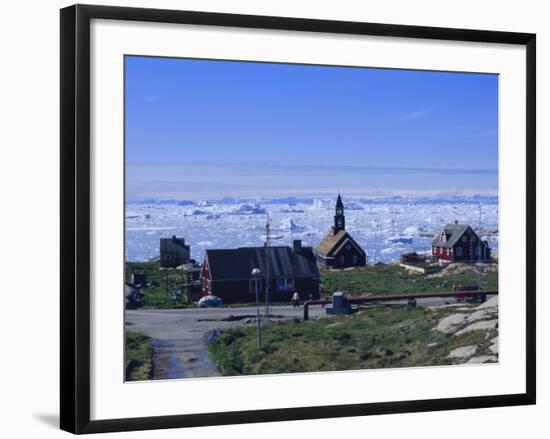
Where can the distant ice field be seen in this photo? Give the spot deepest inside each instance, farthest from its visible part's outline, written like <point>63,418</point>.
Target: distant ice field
<point>384,227</point>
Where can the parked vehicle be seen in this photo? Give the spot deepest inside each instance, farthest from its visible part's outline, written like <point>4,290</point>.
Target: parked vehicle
<point>210,301</point>
<point>478,298</point>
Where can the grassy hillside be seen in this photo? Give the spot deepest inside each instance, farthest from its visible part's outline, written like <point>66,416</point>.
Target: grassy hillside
<point>378,337</point>
<point>390,278</point>
<point>139,353</point>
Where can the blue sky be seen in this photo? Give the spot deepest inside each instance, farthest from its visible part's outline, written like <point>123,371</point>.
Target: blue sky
<point>209,129</point>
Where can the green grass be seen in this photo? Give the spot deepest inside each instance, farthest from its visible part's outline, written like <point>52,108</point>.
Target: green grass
<point>378,337</point>
<point>139,353</point>
<point>163,282</point>
<point>378,279</point>
<point>389,279</point>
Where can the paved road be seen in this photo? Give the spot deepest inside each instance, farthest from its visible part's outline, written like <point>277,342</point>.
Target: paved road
<point>179,335</point>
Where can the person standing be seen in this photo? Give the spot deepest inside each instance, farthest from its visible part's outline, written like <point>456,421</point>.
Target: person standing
<point>295,299</point>
<point>322,295</point>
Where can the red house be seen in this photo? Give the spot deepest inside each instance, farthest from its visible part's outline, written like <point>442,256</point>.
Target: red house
<point>459,243</point>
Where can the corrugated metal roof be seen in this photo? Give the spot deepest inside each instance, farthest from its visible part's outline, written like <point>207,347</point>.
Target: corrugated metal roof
<point>237,263</point>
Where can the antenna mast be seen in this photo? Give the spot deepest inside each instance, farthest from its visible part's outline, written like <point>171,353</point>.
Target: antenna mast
<point>375,243</point>
<point>479,245</point>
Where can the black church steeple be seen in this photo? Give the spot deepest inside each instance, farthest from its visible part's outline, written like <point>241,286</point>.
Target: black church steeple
<point>339,218</point>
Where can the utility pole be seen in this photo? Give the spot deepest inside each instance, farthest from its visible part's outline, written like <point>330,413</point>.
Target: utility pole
<point>256,273</point>
<point>479,246</point>
<point>267,245</point>
<point>375,242</point>
<point>166,282</point>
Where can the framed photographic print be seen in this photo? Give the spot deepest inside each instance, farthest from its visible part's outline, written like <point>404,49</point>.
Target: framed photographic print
<point>340,214</point>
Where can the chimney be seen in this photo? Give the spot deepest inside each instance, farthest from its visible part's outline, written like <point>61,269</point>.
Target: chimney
<point>297,245</point>
<point>176,239</point>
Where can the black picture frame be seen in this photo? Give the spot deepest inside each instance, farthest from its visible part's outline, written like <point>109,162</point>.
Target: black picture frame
<point>75,217</point>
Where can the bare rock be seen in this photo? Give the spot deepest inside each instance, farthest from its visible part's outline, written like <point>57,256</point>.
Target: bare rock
<point>460,306</point>
<point>490,303</point>
<point>483,324</point>
<point>448,324</point>
<point>494,347</point>
<point>478,315</point>
<point>463,352</point>
<point>482,359</point>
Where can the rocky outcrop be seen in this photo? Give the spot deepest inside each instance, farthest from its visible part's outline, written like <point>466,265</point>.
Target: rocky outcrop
<point>463,352</point>
<point>494,346</point>
<point>449,324</point>
<point>484,324</point>
<point>466,320</point>
<point>460,268</point>
<point>482,359</point>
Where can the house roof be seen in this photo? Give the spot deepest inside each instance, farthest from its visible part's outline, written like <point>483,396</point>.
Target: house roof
<point>330,241</point>
<point>171,242</point>
<point>334,242</point>
<point>453,232</point>
<point>348,239</point>
<point>237,263</point>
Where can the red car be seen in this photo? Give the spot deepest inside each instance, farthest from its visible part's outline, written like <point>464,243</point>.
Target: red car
<point>463,287</point>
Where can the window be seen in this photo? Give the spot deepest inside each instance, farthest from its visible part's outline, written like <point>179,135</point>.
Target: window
<point>290,284</point>
<point>464,238</point>
<point>342,260</point>
<point>354,259</point>
<point>476,251</point>
<point>458,251</point>
<point>285,284</point>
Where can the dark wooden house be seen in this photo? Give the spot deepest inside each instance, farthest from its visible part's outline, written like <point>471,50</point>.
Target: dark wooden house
<point>173,252</point>
<point>227,273</point>
<point>338,249</point>
<point>459,243</point>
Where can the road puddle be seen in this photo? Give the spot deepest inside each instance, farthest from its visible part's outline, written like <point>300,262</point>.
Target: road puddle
<point>173,359</point>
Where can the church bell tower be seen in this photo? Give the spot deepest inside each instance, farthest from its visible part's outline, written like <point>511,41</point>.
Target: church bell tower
<point>339,218</point>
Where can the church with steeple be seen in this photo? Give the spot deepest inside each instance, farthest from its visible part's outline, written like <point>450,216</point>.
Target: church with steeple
<point>338,249</point>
